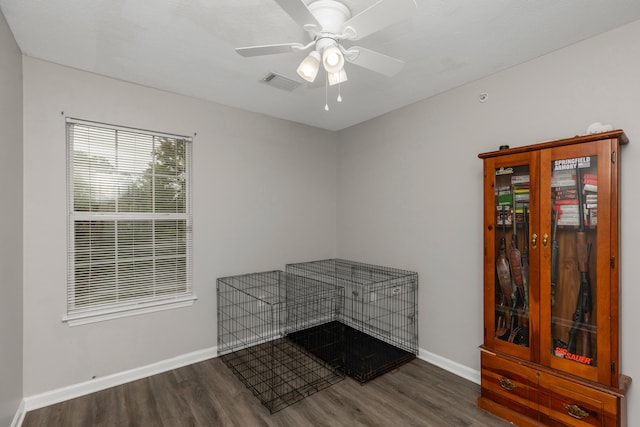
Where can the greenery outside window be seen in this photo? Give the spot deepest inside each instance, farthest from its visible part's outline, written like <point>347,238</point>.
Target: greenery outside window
<point>130,231</point>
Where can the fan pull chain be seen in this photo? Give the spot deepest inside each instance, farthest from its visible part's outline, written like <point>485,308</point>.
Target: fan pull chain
<point>339,96</point>
<point>326,92</point>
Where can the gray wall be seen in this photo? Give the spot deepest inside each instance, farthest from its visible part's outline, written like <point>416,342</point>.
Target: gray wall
<point>10,225</point>
<point>410,182</point>
<point>264,195</point>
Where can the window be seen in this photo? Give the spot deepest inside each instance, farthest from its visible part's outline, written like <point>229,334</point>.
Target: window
<point>130,234</point>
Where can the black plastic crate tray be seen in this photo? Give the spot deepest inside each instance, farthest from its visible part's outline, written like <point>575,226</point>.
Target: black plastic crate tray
<point>356,354</point>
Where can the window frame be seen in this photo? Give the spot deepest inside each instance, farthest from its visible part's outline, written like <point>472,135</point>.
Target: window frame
<point>97,312</point>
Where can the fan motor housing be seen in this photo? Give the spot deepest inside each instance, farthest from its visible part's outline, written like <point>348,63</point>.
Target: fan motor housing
<point>330,14</point>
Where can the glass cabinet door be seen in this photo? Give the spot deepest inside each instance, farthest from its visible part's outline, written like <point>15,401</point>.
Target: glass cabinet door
<point>510,264</point>
<point>573,272</point>
<point>511,194</point>
<point>575,223</point>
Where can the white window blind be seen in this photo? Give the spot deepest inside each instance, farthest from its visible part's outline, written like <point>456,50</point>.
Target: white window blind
<point>130,233</point>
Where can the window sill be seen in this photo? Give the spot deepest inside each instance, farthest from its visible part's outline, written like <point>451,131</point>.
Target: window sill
<point>78,319</point>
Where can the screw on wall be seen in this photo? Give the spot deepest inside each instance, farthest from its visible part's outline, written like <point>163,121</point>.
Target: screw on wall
<point>483,97</point>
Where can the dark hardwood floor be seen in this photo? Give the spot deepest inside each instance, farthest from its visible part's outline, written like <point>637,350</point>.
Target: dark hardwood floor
<point>208,394</point>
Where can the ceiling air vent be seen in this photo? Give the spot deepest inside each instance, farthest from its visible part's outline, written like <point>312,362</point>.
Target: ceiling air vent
<point>281,82</point>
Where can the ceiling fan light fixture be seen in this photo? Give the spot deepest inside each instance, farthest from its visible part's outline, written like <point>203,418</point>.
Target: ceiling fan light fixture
<point>328,23</point>
<point>337,77</point>
<point>309,67</point>
<point>332,59</point>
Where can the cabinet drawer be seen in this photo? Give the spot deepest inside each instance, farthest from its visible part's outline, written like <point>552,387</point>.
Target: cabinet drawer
<point>567,403</point>
<point>509,382</point>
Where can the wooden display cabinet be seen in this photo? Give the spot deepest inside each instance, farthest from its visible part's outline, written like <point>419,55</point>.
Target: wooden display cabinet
<point>551,294</point>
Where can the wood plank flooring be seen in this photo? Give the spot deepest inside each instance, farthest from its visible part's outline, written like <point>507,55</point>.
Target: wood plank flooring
<point>208,394</point>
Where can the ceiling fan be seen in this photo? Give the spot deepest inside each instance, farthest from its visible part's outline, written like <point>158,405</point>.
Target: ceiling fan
<point>329,23</point>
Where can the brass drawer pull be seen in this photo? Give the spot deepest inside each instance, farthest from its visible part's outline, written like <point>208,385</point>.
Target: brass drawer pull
<point>507,384</point>
<point>575,411</point>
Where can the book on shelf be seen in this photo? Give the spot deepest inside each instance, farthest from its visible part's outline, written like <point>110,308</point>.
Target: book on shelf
<point>590,178</point>
<point>564,173</point>
<point>505,199</point>
<point>572,221</point>
<point>564,193</point>
<point>503,215</point>
<point>566,208</point>
<point>566,204</point>
<point>571,218</point>
<point>520,179</point>
<point>563,182</point>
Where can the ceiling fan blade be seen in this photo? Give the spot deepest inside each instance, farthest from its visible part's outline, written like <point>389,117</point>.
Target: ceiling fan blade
<point>269,49</point>
<point>374,61</point>
<point>378,16</point>
<point>299,11</point>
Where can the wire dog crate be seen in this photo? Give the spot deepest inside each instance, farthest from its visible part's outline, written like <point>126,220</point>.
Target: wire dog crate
<point>378,318</point>
<point>256,313</point>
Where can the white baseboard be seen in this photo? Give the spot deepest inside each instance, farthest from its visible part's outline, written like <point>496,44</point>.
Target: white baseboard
<point>76,390</point>
<point>451,366</point>
<point>19,416</point>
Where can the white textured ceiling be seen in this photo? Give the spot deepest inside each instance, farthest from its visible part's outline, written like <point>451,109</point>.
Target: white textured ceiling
<point>187,47</point>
